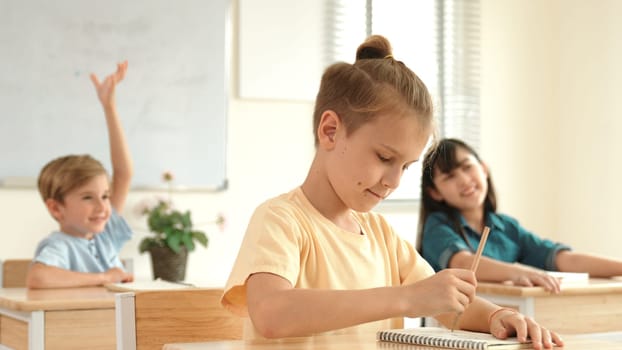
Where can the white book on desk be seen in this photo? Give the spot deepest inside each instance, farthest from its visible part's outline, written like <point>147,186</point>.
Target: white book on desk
<point>157,284</point>
<point>571,278</point>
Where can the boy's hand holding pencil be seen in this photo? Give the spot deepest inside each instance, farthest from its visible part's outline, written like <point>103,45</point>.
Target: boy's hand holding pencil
<point>478,256</point>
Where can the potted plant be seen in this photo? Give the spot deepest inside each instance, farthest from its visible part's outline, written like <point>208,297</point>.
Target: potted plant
<point>172,237</point>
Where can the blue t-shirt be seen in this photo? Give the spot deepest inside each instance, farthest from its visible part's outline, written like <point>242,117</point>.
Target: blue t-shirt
<point>507,241</point>
<point>82,255</point>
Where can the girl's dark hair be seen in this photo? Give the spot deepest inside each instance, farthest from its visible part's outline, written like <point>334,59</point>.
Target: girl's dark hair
<point>375,83</point>
<point>442,156</point>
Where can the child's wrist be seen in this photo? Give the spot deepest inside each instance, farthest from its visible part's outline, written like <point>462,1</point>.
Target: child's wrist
<point>513,311</point>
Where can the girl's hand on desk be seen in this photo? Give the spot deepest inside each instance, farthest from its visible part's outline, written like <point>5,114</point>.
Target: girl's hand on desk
<point>508,322</point>
<point>449,290</point>
<point>536,278</point>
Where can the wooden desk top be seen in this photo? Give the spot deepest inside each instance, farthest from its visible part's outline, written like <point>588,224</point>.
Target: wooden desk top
<point>368,342</point>
<point>593,286</point>
<point>23,299</point>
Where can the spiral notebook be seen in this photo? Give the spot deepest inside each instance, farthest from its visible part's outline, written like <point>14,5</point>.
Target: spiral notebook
<point>444,338</point>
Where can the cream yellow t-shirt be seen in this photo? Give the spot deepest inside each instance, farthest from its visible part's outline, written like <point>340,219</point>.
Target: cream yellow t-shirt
<point>288,237</point>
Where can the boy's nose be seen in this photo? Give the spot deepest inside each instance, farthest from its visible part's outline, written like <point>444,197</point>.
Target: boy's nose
<point>100,204</point>
<point>392,178</point>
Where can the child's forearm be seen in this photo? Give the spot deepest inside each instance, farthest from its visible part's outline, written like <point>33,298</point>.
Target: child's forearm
<point>122,165</point>
<point>489,270</point>
<point>279,310</point>
<point>596,266</point>
<point>43,276</point>
<point>302,312</point>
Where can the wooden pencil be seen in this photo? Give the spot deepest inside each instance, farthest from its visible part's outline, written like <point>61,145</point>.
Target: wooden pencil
<point>474,265</point>
<point>480,248</point>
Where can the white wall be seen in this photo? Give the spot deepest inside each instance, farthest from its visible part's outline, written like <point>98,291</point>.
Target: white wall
<point>550,123</point>
<point>520,107</point>
<point>550,110</point>
<point>590,124</point>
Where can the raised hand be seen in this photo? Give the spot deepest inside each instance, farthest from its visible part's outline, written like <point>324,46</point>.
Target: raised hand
<point>106,88</point>
<point>122,166</point>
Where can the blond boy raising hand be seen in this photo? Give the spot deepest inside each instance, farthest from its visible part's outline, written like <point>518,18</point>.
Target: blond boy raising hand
<point>86,203</point>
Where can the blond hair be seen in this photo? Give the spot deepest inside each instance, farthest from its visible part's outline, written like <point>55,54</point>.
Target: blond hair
<point>374,84</point>
<point>63,174</point>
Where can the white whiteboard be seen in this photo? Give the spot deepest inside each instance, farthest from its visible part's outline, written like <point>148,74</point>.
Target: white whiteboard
<point>172,104</point>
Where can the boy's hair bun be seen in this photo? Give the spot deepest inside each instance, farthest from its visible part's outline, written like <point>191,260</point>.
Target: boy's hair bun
<point>376,46</point>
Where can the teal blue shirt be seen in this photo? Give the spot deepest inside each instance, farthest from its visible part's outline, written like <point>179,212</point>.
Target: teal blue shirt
<point>507,241</point>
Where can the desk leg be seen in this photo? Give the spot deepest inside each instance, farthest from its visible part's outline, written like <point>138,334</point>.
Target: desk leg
<point>36,330</point>
<point>125,320</point>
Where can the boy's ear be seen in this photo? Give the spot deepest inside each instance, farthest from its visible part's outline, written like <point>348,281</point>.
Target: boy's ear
<point>327,129</point>
<point>54,207</point>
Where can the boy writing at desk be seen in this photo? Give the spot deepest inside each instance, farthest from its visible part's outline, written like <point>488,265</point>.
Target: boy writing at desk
<point>77,193</point>
<point>316,260</point>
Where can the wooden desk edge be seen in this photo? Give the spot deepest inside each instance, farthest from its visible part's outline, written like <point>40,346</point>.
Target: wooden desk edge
<point>595,286</point>
<point>586,341</point>
<point>56,299</point>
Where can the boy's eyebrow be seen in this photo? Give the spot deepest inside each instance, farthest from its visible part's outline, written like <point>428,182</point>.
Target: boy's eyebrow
<point>82,193</point>
<point>394,151</point>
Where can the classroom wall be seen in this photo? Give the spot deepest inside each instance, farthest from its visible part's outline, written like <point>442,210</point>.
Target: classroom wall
<point>590,125</point>
<point>550,116</point>
<point>549,122</point>
<point>520,108</point>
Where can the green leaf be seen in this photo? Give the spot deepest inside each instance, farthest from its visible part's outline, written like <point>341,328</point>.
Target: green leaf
<point>187,240</point>
<point>200,237</point>
<point>185,219</point>
<point>173,243</point>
